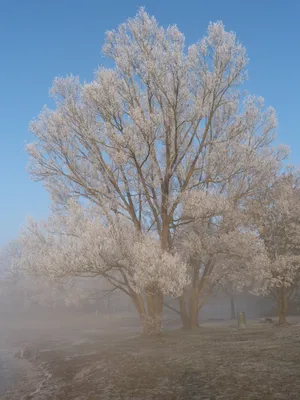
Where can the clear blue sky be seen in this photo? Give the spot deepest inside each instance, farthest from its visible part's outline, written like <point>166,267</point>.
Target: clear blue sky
<point>41,39</point>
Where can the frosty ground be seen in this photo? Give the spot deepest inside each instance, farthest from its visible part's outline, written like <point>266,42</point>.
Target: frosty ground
<point>88,357</point>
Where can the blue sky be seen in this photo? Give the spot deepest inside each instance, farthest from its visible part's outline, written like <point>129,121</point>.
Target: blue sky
<point>42,39</point>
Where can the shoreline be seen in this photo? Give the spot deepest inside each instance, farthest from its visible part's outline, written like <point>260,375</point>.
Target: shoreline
<point>213,361</point>
<point>83,357</point>
<point>17,376</point>
<point>27,341</point>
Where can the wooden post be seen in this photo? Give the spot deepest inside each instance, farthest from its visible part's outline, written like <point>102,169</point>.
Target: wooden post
<point>241,320</point>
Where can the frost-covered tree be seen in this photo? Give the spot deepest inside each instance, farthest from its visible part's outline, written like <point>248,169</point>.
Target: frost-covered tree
<point>9,267</point>
<point>254,170</point>
<point>82,243</point>
<point>165,121</point>
<point>22,290</point>
<point>277,218</point>
<point>217,247</point>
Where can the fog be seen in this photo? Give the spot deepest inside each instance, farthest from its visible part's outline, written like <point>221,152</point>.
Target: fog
<point>33,318</point>
<point>167,266</point>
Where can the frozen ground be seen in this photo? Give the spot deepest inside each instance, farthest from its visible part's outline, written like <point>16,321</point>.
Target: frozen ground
<point>88,358</point>
<point>18,332</point>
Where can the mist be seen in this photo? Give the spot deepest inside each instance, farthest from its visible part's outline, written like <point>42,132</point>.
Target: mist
<point>165,262</point>
<point>39,319</point>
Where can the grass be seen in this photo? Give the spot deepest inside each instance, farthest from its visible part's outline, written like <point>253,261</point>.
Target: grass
<point>213,362</point>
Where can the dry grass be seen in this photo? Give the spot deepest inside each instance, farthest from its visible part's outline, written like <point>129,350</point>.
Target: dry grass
<point>213,362</point>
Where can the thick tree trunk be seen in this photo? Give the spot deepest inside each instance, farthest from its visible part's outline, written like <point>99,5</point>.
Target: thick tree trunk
<point>150,316</point>
<point>190,317</point>
<point>197,296</point>
<point>282,319</point>
<point>153,321</point>
<point>282,306</point>
<point>189,311</point>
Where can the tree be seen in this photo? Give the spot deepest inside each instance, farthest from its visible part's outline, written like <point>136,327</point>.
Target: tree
<point>229,292</point>
<point>164,122</point>
<point>256,167</point>
<point>82,244</point>
<point>277,217</point>
<point>22,290</point>
<point>218,247</point>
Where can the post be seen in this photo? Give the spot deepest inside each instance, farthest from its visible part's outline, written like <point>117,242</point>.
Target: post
<point>241,320</point>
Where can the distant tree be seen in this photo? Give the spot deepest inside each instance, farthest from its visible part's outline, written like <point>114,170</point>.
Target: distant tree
<point>22,290</point>
<point>277,216</point>
<point>229,292</point>
<point>163,123</point>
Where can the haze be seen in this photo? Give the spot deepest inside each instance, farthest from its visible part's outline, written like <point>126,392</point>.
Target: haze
<point>150,236</point>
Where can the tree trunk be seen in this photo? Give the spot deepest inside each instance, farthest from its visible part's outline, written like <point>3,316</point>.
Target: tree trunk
<point>153,321</point>
<point>189,311</point>
<point>232,307</point>
<point>282,306</point>
<point>183,313</point>
<point>150,317</point>
<point>282,319</point>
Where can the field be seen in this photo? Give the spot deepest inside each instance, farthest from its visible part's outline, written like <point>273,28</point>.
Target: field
<point>216,361</point>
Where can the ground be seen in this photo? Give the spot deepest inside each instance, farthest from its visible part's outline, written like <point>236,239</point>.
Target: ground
<point>216,361</point>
